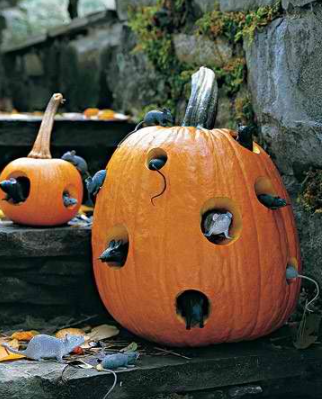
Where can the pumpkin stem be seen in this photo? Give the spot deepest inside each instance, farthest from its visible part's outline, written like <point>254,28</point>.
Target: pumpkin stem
<point>202,106</point>
<point>41,148</point>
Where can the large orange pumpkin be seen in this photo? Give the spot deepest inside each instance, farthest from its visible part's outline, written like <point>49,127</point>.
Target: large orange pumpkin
<point>47,179</point>
<point>242,278</point>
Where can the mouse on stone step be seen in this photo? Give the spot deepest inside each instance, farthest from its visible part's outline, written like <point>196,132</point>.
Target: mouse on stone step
<point>153,118</point>
<point>45,346</point>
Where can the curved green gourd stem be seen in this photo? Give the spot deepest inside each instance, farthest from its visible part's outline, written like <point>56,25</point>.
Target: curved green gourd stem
<point>202,106</point>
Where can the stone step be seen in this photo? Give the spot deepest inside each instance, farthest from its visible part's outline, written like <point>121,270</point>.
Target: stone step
<point>92,139</point>
<point>247,369</point>
<point>46,272</point>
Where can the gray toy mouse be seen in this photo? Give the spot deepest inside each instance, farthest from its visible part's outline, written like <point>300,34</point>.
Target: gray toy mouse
<point>153,118</point>
<point>45,346</point>
<point>79,162</point>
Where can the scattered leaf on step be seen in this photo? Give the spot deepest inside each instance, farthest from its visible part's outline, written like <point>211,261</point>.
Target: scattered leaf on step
<point>78,351</point>
<point>80,363</point>
<point>71,331</point>
<point>130,348</point>
<point>103,332</point>
<point>24,335</point>
<point>5,354</point>
<point>308,330</point>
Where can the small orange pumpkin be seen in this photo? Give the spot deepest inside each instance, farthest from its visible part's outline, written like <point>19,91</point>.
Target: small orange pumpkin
<point>243,279</point>
<point>45,180</point>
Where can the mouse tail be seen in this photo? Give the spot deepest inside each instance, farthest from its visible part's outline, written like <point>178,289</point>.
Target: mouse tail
<point>17,352</point>
<point>137,127</point>
<point>164,186</point>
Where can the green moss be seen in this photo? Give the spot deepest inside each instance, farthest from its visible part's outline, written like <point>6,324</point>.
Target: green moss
<point>155,40</point>
<point>216,23</point>
<point>155,26</point>
<point>237,26</point>
<point>232,75</point>
<point>244,112</point>
<point>311,193</point>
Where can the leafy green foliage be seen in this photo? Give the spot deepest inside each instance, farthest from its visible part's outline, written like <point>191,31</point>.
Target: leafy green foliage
<point>311,195</point>
<point>217,23</point>
<point>155,26</point>
<point>154,34</point>
<point>237,26</point>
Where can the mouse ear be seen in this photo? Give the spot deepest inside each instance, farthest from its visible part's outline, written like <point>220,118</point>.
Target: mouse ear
<point>112,244</point>
<point>166,110</point>
<point>73,152</point>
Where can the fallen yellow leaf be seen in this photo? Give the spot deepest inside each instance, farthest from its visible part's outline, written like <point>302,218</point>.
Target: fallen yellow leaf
<point>5,354</point>
<point>102,332</point>
<point>71,331</point>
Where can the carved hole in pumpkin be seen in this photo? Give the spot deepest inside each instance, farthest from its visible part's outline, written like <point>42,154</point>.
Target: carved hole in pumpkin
<point>71,191</point>
<point>185,302</point>
<point>156,153</point>
<point>24,182</point>
<point>222,205</point>
<point>256,149</point>
<point>292,262</point>
<point>117,233</point>
<point>263,185</point>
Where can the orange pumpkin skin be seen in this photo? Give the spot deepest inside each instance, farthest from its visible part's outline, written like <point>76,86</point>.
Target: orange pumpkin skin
<point>244,280</point>
<point>49,178</point>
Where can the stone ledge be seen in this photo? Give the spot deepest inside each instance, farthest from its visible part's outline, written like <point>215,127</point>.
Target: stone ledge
<point>66,132</point>
<point>19,241</point>
<point>218,368</point>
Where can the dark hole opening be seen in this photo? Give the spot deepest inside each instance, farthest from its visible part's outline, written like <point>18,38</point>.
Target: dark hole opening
<point>193,307</point>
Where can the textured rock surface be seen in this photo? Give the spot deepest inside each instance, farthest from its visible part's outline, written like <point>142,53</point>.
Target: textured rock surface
<point>217,372</point>
<point>85,60</point>
<point>244,5</point>
<point>200,51</point>
<point>131,77</point>
<point>284,76</point>
<point>284,71</point>
<point>46,273</point>
<point>296,3</point>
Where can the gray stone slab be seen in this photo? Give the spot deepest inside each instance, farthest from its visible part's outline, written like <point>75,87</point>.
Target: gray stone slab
<point>18,241</point>
<point>198,50</point>
<point>296,3</point>
<point>68,133</point>
<point>284,75</point>
<point>244,5</point>
<point>209,368</point>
